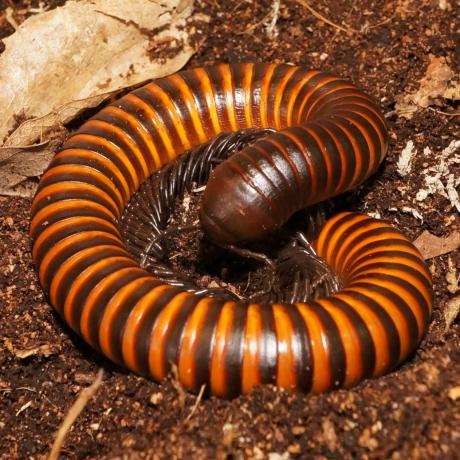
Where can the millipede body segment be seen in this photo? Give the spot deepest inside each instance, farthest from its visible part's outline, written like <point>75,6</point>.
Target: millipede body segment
<point>329,137</point>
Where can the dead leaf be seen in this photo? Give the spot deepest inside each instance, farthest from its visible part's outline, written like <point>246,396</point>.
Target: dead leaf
<point>25,189</point>
<point>18,164</point>
<point>38,128</point>
<point>83,51</point>
<point>437,83</point>
<point>434,83</point>
<point>433,246</point>
<point>6,153</point>
<point>450,312</point>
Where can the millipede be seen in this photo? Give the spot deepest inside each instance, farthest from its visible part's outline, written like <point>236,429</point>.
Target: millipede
<point>325,137</point>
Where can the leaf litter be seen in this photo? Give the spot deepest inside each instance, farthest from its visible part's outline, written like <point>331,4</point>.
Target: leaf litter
<point>431,246</point>
<point>439,82</point>
<point>61,62</point>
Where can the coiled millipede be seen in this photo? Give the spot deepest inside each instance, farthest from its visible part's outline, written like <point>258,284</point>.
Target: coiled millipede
<point>330,137</point>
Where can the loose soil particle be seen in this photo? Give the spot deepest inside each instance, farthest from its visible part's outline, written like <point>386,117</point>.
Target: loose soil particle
<point>408,414</point>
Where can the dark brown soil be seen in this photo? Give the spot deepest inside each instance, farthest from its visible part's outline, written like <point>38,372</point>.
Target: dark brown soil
<point>410,414</point>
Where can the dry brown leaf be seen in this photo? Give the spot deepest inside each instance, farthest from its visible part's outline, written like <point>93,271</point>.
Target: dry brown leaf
<point>433,246</point>
<point>450,312</point>
<point>438,82</point>
<point>85,49</point>
<point>38,128</point>
<point>18,164</point>
<point>61,62</point>
<point>434,83</point>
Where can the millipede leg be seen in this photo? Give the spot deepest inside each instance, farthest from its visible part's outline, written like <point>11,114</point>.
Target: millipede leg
<point>144,226</point>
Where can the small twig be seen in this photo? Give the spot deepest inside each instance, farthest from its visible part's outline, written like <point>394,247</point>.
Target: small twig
<point>8,389</point>
<point>454,114</point>
<point>381,23</point>
<point>431,109</point>
<point>324,19</point>
<point>85,395</point>
<point>197,402</point>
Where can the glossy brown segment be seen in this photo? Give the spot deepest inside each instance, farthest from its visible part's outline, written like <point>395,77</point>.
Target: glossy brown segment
<point>330,137</point>
<point>247,198</point>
